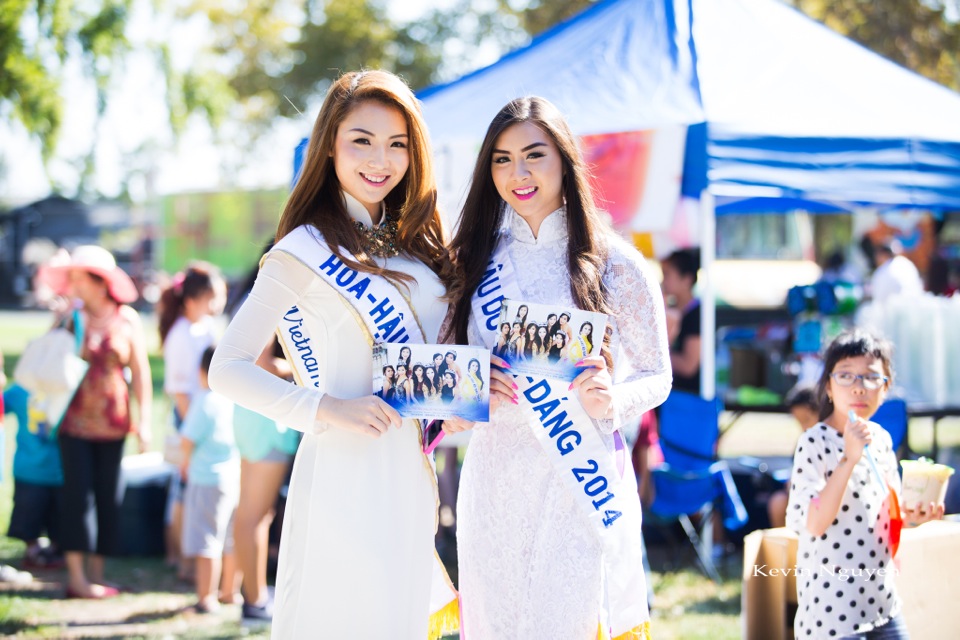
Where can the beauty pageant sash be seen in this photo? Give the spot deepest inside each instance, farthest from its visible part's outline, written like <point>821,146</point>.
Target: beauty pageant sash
<point>570,440</point>
<point>385,315</point>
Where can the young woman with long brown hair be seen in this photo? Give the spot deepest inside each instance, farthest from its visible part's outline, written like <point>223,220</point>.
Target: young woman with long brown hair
<point>360,246</point>
<point>534,557</point>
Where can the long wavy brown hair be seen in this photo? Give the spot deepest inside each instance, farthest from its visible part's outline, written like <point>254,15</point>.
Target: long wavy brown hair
<point>484,211</point>
<point>317,200</point>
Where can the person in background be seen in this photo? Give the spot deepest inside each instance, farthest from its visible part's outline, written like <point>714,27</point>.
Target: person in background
<point>895,273</point>
<point>683,317</point>
<point>37,483</point>
<point>840,508</point>
<point>801,401</point>
<point>838,270</point>
<point>646,454</point>
<point>939,281</point>
<point>8,574</point>
<point>100,417</point>
<point>186,312</point>
<point>211,468</point>
<point>266,453</point>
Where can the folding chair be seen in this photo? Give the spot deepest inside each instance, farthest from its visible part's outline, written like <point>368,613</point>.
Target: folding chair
<point>892,416</point>
<point>691,479</point>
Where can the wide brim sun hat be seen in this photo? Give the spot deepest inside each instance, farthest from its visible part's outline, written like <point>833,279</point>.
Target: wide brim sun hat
<point>95,260</point>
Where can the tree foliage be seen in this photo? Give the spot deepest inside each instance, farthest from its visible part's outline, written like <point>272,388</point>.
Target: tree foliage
<point>254,60</point>
<point>36,39</point>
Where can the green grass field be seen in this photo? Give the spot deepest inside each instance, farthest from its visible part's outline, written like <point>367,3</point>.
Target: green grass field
<point>688,606</point>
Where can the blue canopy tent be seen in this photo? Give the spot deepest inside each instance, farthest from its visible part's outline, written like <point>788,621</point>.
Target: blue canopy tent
<point>795,110</point>
<point>782,109</point>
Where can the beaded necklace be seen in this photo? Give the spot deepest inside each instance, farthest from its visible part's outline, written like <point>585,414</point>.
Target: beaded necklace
<point>379,241</point>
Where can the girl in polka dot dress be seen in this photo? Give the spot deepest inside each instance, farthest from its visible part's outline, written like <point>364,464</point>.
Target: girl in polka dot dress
<point>845,573</point>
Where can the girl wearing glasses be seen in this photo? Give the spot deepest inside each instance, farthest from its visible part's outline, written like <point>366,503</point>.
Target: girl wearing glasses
<point>845,577</point>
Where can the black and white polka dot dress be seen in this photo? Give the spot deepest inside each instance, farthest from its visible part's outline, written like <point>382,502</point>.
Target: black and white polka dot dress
<point>846,577</point>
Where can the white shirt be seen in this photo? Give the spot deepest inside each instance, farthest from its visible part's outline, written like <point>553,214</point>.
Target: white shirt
<point>897,276</point>
<point>182,351</point>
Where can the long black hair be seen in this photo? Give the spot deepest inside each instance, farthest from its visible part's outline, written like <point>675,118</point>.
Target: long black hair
<point>484,211</point>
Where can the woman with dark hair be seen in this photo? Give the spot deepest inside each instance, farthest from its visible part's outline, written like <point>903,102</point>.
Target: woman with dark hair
<point>419,383</point>
<point>448,387</point>
<point>431,384</point>
<point>564,325</point>
<point>522,315</point>
<point>389,378</point>
<point>515,345</point>
<point>404,358</point>
<point>185,318</point>
<point>360,230</point>
<point>543,343</point>
<point>503,340</point>
<point>530,342</point>
<point>402,388</point>
<point>557,346</point>
<point>551,324</point>
<point>100,416</point>
<point>450,364</point>
<point>530,204</point>
<point>683,317</point>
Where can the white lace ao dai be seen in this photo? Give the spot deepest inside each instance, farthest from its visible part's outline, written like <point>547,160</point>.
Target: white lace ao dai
<point>529,561</point>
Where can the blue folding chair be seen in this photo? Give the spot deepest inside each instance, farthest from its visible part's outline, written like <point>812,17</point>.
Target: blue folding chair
<point>691,479</point>
<point>892,416</point>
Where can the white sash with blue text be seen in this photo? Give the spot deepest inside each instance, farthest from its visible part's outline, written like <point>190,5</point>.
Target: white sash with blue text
<point>376,303</point>
<point>387,317</point>
<point>586,465</point>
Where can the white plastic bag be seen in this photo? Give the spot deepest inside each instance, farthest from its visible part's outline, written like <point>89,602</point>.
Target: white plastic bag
<point>51,371</point>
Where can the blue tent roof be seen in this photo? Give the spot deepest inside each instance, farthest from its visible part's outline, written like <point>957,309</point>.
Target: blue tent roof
<point>792,109</point>
<point>621,65</point>
<point>795,110</point>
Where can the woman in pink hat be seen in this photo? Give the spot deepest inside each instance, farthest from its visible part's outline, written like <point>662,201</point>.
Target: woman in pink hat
<point>99,418</point>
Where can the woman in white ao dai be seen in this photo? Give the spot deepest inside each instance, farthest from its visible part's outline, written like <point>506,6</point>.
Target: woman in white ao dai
<point>529,561</point>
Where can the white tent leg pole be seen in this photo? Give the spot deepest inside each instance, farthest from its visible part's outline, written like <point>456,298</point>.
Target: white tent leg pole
<point>708,302</point>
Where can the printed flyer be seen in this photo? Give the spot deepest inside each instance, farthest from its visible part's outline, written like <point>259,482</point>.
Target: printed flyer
<point>433,381</point>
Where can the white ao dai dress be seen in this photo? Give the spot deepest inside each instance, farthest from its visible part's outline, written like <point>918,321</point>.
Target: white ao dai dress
<point>529,561</point>
<point>357,551</point>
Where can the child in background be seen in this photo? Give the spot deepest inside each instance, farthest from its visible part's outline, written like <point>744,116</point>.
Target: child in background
<point>37,478</point>
<point>801,401</point>
<point>7,573</point>
<point>845,579</point>
<point>185,313</point>
<point>211,467</point>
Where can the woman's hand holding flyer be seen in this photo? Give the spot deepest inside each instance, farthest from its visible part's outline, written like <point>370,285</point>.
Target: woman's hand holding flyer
<point>594,386</point>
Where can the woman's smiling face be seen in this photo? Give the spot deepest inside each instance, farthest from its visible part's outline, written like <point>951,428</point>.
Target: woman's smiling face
<point>527,170</point>
<point>370,153</point>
